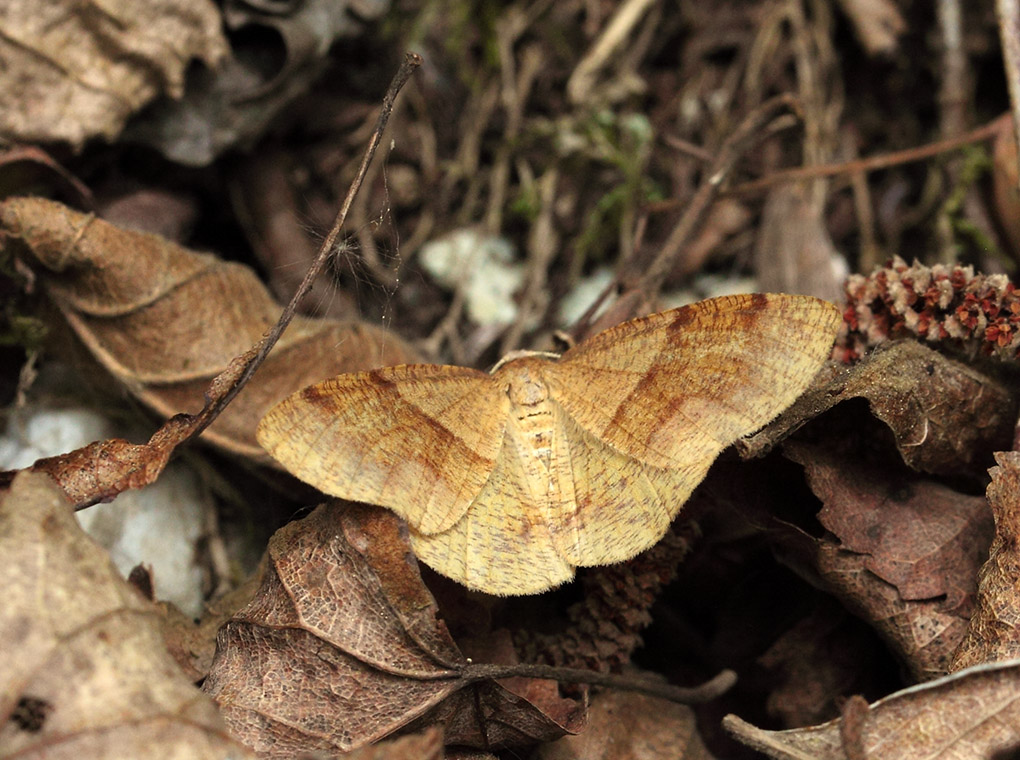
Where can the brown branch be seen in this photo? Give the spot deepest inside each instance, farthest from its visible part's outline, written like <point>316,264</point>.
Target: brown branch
<point>874,163</point>
<point>251,360</point>
<point>691,695</point>
<point>102,470</point>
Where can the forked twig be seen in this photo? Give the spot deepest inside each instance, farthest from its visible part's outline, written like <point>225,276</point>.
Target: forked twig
<point>639,291</point>
<point>251,360</point>
<point>102,470</point>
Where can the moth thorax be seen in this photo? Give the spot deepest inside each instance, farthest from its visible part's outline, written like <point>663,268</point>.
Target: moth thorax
<point>525,386</point>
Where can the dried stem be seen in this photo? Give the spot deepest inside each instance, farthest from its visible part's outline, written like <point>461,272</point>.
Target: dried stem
<point>874,163</point>
<point>732,149</point>
<point>241,369</point>
<point>692,695</point>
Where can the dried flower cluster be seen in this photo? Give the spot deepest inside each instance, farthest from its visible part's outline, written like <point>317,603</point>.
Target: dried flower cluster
<point>973,313</point>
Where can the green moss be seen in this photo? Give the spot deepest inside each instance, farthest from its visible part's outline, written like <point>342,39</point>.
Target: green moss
<point>967,235</point>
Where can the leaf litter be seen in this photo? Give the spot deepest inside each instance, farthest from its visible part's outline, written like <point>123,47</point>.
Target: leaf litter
<point>898,548</point>
<point>342,645</point>
<point>86,672</point>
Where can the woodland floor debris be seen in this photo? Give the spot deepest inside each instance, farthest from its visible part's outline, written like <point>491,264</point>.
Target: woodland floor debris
<point>669,145</point>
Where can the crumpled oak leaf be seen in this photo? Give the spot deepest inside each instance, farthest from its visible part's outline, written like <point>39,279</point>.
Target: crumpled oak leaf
<point>84,671</point>
<point>971,714</point>
<point>341,646</point>
<point>510,479</point>
<point>164,321</point>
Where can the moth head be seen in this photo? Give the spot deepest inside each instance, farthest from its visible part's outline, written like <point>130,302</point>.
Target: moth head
<point>520,375</point>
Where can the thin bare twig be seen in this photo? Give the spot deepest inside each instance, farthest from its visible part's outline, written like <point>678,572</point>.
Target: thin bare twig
<point>238,373</point>
<point>114,466</point>
<point>953,96</point>
<point>730,152</point>
<point>874,163</point>
<point>627,16</point>
<point>692,695</point>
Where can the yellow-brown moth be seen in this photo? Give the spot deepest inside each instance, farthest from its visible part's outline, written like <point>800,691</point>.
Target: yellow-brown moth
<point>509,480</point>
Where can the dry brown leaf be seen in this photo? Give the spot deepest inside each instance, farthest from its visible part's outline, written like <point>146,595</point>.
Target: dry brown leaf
<point>84,672</point>
<point>907,555</point>
<point>946,417</point>
<point>921,536</point>
<point>342,646</point>
<point>814,664</point>
<point>628,726</point>
<point>233,105</point>
<point>878,24</point>
<point>922,633</point>
<point>192,644</point>
<point>73,72</point>
<point>971,714</point>
<point>144,307</point>
<point>101,470</point>
<point>794,252</point>
<point>171,215</point>
<point>994,632</point>
<point>511,479</point>
<point>428,745</point>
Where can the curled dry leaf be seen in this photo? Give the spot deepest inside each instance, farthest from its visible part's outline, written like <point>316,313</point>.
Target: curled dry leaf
<point>627,726</point>
<point>511,479</point>
<point>994,632</point>
<point>84,671</point>
<point>921,536</point>
<point>233,104</point>
<point>794,252</point>
<point>72,73</point>
<point>971,714</point>
<point>907,555</point>
<point>342,646</point>
<point>144,307</point>
<point>946,417</point>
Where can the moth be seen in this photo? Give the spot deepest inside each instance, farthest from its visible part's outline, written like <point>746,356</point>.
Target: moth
<point>508,480</point>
